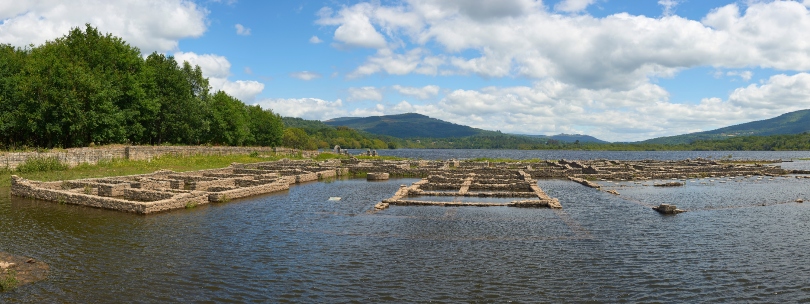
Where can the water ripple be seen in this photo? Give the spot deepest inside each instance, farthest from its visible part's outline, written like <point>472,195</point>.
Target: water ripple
<point>296,246</point>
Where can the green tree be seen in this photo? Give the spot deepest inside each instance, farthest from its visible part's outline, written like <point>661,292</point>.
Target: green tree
<point>228,120</point>
<point>266,127</point>
<point>12,61</point>
<point>298,139</point>
<point>81,88</point>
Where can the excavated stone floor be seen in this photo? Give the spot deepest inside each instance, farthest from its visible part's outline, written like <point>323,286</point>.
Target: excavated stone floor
<point>167,190</point>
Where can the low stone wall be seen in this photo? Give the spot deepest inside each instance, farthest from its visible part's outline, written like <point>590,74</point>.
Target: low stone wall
<point>247,183</point>
<point>71,157</point>
<point>308,177</point>
<point>146,195</point>
<point>584,182</point>
<point>148,183</point>
<point>25,188</point>
<point>226,195</point>
<point>112,189</point>
<point>326,174</point>
<point>75,156</point>
<point>204,185</point>
<point>377,176</point>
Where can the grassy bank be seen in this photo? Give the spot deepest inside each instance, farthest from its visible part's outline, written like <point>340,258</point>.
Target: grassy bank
<point>46,170</point>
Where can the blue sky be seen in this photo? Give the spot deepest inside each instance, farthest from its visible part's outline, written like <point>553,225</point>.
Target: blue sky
<point>618,70</point>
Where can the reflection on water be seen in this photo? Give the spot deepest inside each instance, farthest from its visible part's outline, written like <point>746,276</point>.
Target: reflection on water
<point>298,246</point>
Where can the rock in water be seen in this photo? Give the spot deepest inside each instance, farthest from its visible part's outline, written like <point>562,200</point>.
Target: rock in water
<point>668,209</point>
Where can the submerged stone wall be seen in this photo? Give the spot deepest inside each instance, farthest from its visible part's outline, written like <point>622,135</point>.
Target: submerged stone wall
<point>496,183</point>
<point>165,190</point>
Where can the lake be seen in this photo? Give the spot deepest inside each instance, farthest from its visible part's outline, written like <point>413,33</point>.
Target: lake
<point>744,239</point>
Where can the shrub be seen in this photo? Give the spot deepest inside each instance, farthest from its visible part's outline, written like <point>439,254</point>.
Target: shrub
<point>8,281</point>
<point>42,164</point>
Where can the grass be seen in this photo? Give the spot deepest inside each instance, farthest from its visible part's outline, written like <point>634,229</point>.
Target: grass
<point>329,155</point>
<point>358,174</point>
<point>9,280</point>
<point>120,167</point>
<point>41,164</point>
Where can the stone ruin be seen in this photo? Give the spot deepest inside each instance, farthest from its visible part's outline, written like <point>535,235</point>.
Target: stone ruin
<point>464,179</point>
<point>475,183</point>
<point>167,190</point>
<point>460,180</point>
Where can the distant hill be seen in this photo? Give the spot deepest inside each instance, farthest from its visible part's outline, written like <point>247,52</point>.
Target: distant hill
<point>577,137</point>
<point>409,125</point>
<point>789,123</point>
<point>412,125</point>
<point>571,138</point>
<point>295,122</point>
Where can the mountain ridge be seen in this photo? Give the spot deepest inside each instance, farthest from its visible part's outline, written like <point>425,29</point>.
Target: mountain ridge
<point>408,125</point>
<point>795,122</point>
<point>414,125</point>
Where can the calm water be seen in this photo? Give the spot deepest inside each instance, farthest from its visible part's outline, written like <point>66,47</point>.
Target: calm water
<point>587,155</point>
<point>296,246</point>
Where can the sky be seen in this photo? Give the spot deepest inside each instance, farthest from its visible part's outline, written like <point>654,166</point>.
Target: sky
<point>619,70</point>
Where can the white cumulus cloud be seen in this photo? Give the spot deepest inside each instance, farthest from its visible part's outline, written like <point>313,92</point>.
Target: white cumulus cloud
<point>572,6</point>
<point>417,61</point>
<point>315,40</point>
<point>306,108</point>
<point>244,90</point>
<point>241,30</point>
<point>744,75</point>
<point>212,65</point>
<point>779,94</point>
<point>217,69</point>
<point>422,93</point>
<point>364,94</point>
<point>305,75</point>
<point>354,26</point>
<point>618,51</point>
<point>151,25</point>
<point>669,6</point>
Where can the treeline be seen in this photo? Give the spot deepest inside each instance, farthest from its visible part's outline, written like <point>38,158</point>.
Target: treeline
<point>792,142</point>
<point>789,142</point>
<point>88,88</point>
<point>314,134</point>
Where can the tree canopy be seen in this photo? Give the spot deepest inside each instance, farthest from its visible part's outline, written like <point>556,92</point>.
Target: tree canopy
<point>91,88</point>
